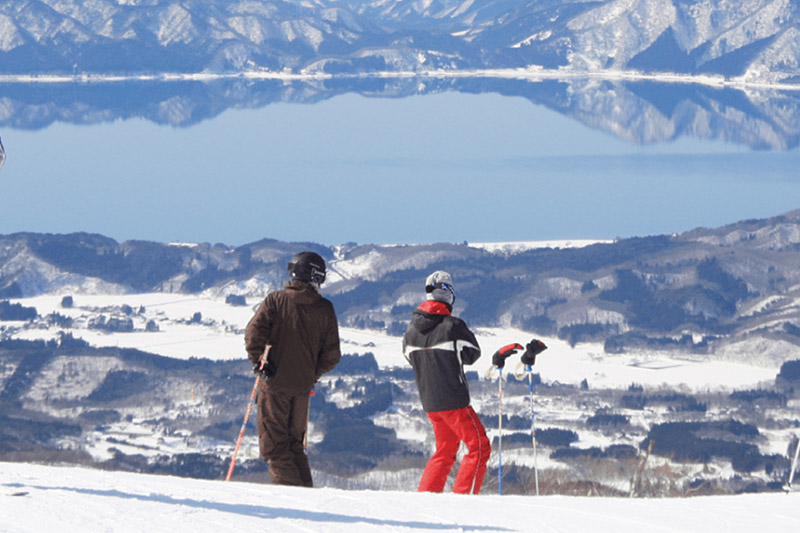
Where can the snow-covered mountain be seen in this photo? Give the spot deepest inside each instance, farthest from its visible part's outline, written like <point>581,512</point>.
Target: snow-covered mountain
<point>755,40</point>
<point>602,63</point>
<point>732,292</point>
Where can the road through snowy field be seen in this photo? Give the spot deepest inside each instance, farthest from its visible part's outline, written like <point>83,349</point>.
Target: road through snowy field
<point>44,498</point>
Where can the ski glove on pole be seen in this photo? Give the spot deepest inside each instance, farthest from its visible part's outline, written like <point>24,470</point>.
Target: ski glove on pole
<point>500,356</point>
<point>266,371</point>
<point>532,349</point>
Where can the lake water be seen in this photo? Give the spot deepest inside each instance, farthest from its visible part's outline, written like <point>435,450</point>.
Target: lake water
<point>235,164</point>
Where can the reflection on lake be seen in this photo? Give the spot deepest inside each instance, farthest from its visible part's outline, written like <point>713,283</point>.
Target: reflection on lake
<point>375,160</point>
<point>637,111</point>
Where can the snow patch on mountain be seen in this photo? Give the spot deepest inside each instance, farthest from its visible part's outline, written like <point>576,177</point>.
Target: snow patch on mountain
<point>752,21</point>
<point>513,247</point>
<point>612,33</point>
<point>779,60</point>
<point>72,377</point>
<point>774,237</point>
<point>756,351</point>
<point>10,36</point>
<point>376,263</point>
<point>250,27</point>
<point>35,276</point>
<point>765,304</point>
<point>176,26</point>
<point>592,315</point>
<point>538,36</point>
<point>297,29</point>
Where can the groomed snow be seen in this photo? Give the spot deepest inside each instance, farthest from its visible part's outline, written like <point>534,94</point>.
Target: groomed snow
<point>66,499</point>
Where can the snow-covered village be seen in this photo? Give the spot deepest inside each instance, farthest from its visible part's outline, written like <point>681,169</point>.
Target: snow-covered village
<point>399,265</point>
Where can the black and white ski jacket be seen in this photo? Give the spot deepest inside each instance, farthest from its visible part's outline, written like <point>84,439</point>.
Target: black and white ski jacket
<point>438,346</point>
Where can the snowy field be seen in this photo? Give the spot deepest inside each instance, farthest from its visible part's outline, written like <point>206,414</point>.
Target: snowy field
<point>45,498</point>
<point>219,335</point>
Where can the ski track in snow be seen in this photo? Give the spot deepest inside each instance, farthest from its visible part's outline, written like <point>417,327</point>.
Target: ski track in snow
<point>39,498</point>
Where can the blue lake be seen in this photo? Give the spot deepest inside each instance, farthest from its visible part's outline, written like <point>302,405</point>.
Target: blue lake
<point>449,165</point>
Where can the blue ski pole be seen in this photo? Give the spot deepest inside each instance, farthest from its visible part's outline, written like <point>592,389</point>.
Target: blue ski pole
<point>532,349</point>
<point>500,439</point>
<point>529,369</point>
<point>498,361</point>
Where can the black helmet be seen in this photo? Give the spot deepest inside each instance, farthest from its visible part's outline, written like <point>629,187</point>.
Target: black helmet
<point>307,266</point>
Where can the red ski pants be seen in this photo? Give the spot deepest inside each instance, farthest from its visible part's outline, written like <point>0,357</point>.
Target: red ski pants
<point>451,428</point>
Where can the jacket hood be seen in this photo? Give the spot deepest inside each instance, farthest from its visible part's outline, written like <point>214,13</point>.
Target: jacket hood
<point>429,315</point>
<point>435,307</point>
<point>304,292</point>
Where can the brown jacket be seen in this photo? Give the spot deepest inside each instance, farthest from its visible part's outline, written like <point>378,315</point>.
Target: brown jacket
<point>301,328</point>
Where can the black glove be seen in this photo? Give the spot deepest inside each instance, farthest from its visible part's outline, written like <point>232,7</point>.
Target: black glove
<point>500,356</point>
<point>532,349</point>
<point>266,372</point>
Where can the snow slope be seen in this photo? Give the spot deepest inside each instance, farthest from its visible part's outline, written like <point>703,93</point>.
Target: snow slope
<point>39,498</point>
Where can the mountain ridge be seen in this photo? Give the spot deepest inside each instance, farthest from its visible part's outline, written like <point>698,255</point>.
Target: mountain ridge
<point>706,291</point>
<point>754,40</point>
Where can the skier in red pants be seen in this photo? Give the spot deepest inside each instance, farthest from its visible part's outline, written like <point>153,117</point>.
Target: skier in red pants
<point>438,345</point>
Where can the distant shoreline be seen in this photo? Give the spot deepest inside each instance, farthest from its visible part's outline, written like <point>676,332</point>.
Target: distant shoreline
<point>531,74</point>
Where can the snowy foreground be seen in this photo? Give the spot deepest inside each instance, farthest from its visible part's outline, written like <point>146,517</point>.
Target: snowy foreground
<point>41,498</point>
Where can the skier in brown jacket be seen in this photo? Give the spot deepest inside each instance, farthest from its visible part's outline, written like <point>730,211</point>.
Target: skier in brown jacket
<point>300,330</point>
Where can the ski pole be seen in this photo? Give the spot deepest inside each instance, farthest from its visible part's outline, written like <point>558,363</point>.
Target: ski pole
<point>498,362</point>
<point>250,405</point>
<point>532,349</point>
<point>529,369</point>
<point>794,464</point>
<point>308,418</point>
<point>500,431</point>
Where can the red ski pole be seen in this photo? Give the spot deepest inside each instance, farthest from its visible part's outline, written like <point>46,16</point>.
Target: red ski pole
<point>252,402</point>
<point>308,418</point>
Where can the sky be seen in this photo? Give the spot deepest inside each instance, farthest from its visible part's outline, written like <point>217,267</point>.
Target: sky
<point>437,168</point>
<point>67,499</point>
